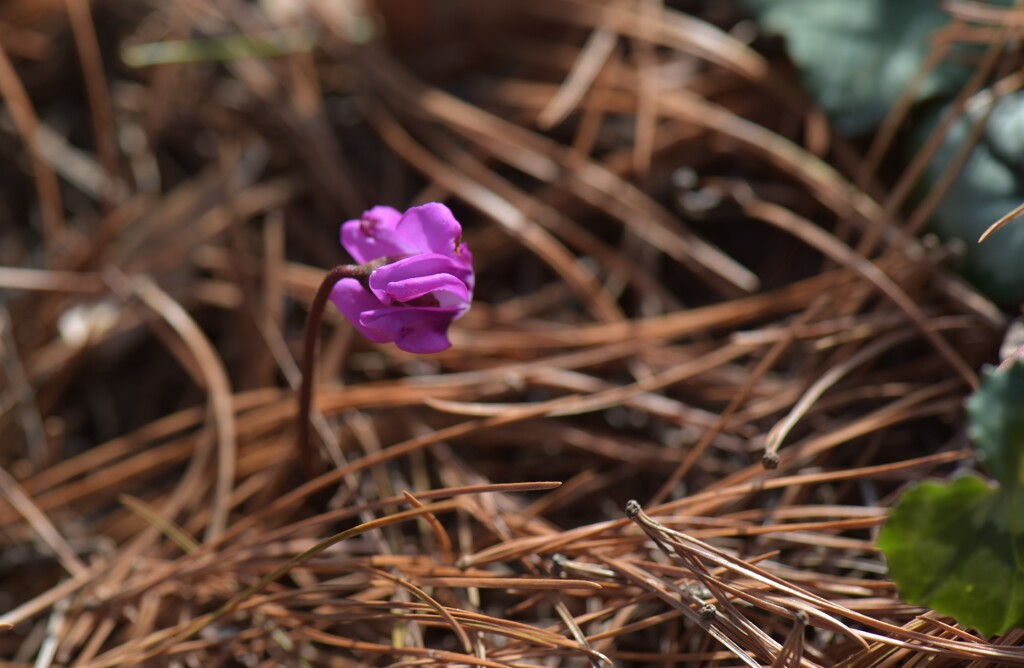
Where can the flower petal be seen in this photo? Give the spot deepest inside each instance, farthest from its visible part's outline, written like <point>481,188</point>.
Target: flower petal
<point>444,288</point>
<point>426,284</point>
<point>352,299</point>
<point>430,228</point>
<point>414,277</point>
<point>413,329</point>
<point>372,236</point>
<point>465,260</point>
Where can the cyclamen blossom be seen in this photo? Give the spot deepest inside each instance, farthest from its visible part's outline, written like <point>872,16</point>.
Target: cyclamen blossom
<point>424,283</point>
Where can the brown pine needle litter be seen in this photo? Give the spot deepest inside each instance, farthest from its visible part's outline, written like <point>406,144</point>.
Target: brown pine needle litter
<point>700,364</point>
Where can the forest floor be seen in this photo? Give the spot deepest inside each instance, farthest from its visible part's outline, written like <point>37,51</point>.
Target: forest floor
<point>691,293</point>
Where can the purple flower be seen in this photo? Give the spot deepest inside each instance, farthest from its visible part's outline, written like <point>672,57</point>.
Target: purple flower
<point>425,283</point>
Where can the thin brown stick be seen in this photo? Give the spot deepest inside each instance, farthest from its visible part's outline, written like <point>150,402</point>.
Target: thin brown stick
<point>84,30</point>
<point>27,122</point>
<point>216,380</point>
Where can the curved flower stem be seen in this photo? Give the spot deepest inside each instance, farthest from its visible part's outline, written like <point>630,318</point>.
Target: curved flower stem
<point>308,453</point>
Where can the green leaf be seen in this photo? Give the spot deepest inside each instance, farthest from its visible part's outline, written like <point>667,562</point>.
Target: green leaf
<point>958,547</point>
<point>858,57</point>
<point>952,547</point>
<point>990,185</point>
<point>997,425</point>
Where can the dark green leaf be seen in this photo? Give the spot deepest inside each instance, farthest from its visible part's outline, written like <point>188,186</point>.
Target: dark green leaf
<point>957,548</point>
<point>997,425</point>
<point>990,185</point>
<point>858,57</point>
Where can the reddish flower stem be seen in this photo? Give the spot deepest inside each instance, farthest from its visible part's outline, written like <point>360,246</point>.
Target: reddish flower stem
<point>309,458</point>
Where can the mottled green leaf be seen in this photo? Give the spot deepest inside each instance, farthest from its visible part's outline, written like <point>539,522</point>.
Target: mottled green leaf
<point>858,57</point>
<point>990,185</point>
<point>997,425</point>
